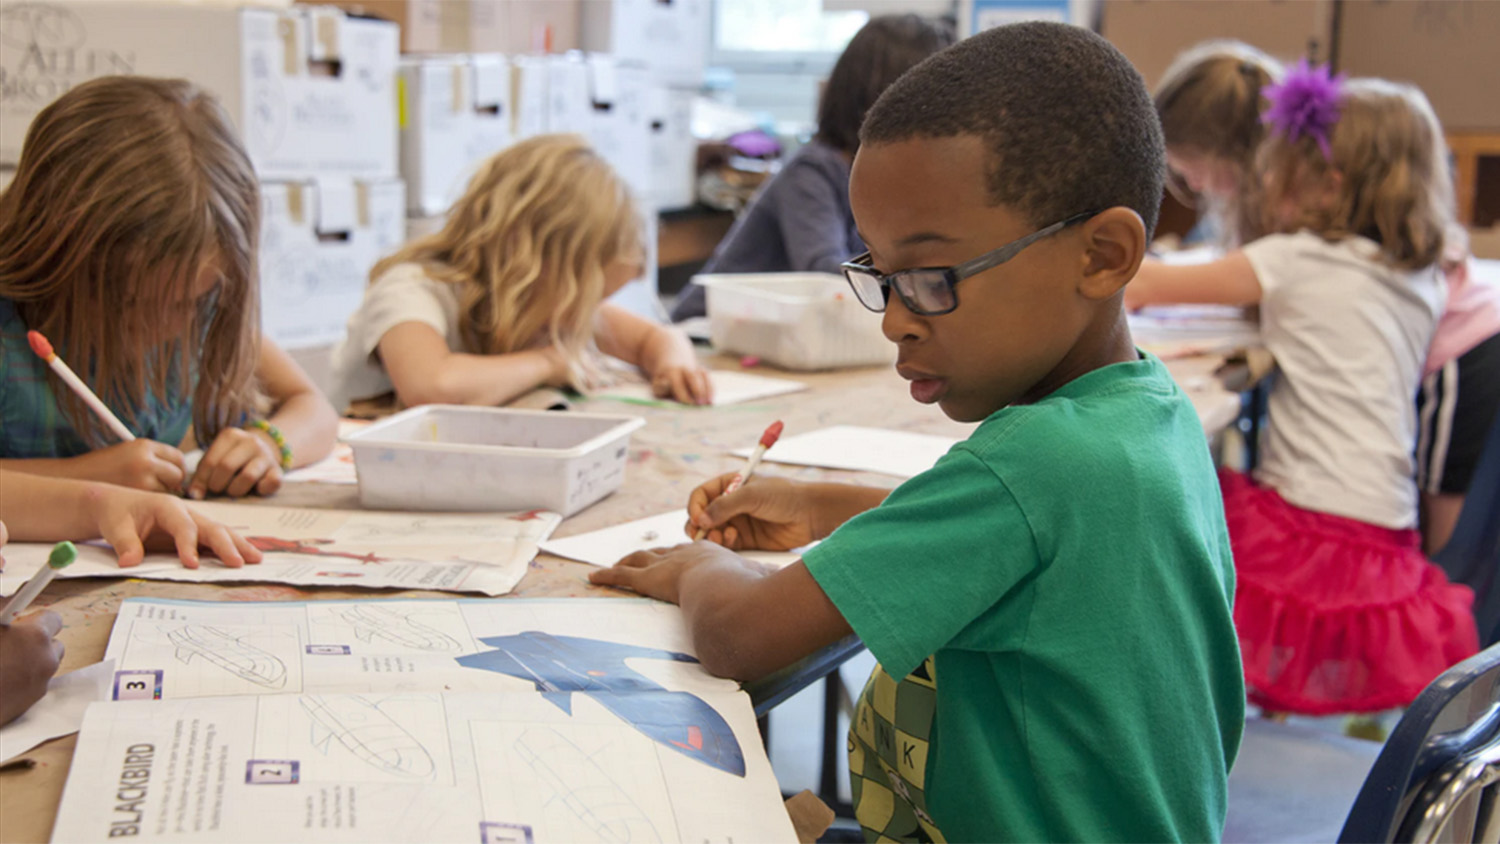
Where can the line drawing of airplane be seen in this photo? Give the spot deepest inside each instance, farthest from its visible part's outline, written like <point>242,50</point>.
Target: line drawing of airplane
<point>243,660</point>
<point>371,621</point>
<point>563,665</point>
<point>587,791</point>
<point>365,731</point>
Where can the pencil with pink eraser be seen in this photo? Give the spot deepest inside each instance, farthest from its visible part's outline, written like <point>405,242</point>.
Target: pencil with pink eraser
<point>44,351</point>
<point>767,439</point>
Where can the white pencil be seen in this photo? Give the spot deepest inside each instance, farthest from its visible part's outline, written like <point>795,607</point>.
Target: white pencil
<point>63,554</point>
<point>44,351</point>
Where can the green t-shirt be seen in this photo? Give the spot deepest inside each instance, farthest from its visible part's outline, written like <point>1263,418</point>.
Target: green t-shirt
<point>1056,594</point>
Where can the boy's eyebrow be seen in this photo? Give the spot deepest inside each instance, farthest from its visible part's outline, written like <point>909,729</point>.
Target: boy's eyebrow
<point>915,238</point>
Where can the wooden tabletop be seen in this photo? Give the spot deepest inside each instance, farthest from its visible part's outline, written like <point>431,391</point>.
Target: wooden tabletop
<point>676,450</point>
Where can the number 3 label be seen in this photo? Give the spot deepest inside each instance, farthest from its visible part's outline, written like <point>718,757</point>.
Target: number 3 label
<point>137,685</point>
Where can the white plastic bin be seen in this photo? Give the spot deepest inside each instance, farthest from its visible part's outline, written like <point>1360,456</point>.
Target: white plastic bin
<point>447,457</point>
<point>794,320</point>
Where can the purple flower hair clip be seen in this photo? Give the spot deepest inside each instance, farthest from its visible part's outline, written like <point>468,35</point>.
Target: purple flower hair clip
<point>1306,102</point>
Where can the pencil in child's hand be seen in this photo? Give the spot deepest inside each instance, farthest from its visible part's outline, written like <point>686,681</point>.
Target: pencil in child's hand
<point>43,349</point>
<point>767,439</point>
<point>63,554</point>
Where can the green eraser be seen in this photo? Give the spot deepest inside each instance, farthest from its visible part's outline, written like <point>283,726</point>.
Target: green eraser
<point>63,554</point>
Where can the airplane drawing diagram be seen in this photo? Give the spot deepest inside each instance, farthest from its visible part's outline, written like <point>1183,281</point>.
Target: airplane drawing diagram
<point>370,734</point>
<point>230,653</point>
<point>309,547</point>
<point>588,793</point>
<point>371,621</point>
<point>563,665</point>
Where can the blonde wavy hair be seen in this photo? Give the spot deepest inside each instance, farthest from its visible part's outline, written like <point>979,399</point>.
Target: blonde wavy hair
<point>527,243</point>
<point>1210,102</point>
<point>1394,186</point>
<point>128,188</point>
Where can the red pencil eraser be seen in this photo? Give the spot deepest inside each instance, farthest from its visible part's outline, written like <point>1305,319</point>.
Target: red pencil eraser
<point>771,435</point>
<point>39,345</point>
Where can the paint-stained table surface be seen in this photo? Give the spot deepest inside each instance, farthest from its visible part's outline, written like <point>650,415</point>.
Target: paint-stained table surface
<point>677,449</point>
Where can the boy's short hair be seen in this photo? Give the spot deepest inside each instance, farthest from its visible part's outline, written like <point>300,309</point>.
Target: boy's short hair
<point>1067,119</point>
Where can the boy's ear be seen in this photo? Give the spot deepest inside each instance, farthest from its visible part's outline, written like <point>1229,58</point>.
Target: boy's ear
<point>1114,243</point>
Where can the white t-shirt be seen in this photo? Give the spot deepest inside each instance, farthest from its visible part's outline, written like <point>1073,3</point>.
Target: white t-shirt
<point>403,294</point>
<point>1349,335</point>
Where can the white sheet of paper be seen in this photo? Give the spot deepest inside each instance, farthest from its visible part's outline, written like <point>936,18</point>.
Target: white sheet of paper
<point>59,712</point>
<point>204,648</point>
<point>367,549</point>
<point>898,453</point>
<point>604,547</point>
<point>1218,325</point>
<point>730,387</point>
<point>491,768</point>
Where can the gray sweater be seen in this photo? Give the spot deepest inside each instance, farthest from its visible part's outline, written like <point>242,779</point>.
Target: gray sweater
<point>800,222</point>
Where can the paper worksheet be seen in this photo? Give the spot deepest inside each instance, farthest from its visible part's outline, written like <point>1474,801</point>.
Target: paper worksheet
<point>173,649</point>
<point>60,711</point>
<point>898,453</point>
<point>490,768</point>
<point>605,547</point>
<point>730,387</point>
<point>1215,325</point>
<point>485,553</point>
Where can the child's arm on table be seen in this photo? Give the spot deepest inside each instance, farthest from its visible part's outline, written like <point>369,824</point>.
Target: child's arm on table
<point>662,352</point>
<point>42,509</point>
<point>1230,280</point>
<point>425,371</point>
<point>747,622</point>
<point>139,464</point>
<point>245,460</point>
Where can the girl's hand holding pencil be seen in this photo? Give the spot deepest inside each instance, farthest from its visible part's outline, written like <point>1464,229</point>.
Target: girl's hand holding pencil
<point>139,464</point>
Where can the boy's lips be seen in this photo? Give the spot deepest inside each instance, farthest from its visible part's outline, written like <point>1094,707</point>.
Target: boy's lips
<point>925,387</point>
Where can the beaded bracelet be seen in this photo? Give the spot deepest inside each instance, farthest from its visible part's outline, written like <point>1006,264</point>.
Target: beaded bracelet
<point>275,434</point>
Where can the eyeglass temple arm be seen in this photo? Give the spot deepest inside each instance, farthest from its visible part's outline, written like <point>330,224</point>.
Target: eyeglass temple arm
<point>1005,253</point>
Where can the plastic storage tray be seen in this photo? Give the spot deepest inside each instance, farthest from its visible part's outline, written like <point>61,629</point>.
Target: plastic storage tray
<point>445,457</point>
<point>794,320</point>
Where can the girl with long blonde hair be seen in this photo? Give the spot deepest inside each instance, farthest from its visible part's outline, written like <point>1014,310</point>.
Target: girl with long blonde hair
<point>1209,102</point>
<point>1336,607</point>
<point>509,295</point>
<point>128,238</point>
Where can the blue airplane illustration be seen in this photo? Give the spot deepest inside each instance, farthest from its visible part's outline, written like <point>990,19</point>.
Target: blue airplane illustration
<point>562,665</point>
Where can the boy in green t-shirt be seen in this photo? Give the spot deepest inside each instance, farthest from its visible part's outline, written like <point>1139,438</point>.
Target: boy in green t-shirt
<point>1050,604</point>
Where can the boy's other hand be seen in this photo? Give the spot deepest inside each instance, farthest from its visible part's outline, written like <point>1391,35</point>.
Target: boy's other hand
<point>29,656</point>
<point>766,514</point>
<point>139,464</point>
<point>132,521</point>
<point>656,572</point>
<point>238,462</point>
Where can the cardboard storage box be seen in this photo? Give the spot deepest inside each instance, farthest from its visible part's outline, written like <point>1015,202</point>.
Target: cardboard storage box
<point>455,113</point>
<point>673,149</point>
<point>319,240</point>
<point>1449,49</point>
<point>477,26</point>
<point>311,91</point>
<point>670,38</point>
<point>1152,32</point>
<point>618,124</point>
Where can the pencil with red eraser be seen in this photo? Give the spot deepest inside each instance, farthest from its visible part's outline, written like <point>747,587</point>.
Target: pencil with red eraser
<point>767,439</point>
<point>44,351</point>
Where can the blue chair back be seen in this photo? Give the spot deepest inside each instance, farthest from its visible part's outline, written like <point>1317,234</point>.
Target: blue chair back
<point>1472,556</point>
<point>1446,745</point>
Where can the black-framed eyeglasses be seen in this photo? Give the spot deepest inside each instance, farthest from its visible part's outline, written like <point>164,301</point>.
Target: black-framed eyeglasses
<point>929,291</point>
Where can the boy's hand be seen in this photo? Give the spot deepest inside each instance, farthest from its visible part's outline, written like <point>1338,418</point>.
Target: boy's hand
<point>686,384</point>
<point>139,464</point>
<point>238,462</point>
<point>132,521</point>
<point>657,572</point>
<point>766,514</point>
<point>29,656</point>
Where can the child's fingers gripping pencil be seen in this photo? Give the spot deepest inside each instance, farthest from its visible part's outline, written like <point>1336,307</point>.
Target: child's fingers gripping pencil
<point>43,349</point>
<point>63,554</point>
<point>767,439</point>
